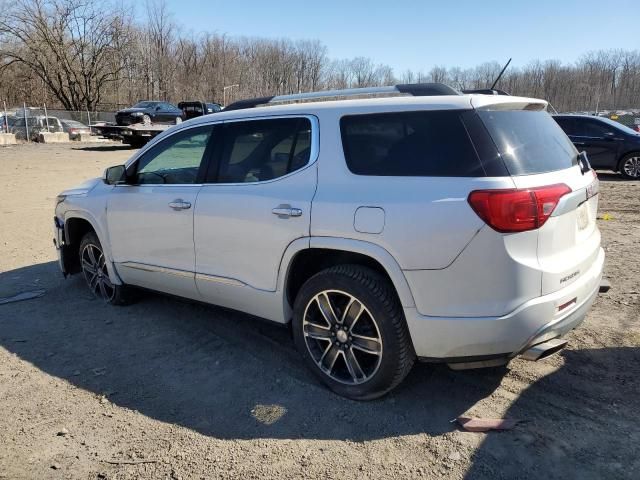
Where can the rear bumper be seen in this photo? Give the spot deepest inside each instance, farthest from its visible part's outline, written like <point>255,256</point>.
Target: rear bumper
<point>536,321</point>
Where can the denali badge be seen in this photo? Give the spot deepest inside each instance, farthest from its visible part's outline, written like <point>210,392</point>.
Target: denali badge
<point>570,276</point>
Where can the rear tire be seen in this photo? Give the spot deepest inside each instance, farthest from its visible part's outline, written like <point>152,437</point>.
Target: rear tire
<point>349,327</point>
<point>629,166</point>
<point>94,270</point>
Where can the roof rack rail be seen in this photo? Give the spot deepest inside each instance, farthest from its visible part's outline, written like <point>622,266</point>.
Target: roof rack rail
<point>415,89</point>
<point>486,91</point>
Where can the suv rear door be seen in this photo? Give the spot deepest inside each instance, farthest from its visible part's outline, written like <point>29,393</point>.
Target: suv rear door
<point>256,201</point>
<point>598,139</point>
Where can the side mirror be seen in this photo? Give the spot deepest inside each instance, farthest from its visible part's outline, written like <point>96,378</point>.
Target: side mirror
<point>114,175</point>
<point>158,108</point>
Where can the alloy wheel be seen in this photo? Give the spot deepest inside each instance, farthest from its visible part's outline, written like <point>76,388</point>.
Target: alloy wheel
<point>342,337</point>
<point>631,167</point>
<point>94,267</point>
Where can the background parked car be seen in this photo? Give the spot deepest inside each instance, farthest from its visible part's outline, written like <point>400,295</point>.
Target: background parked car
<point>74,128</point>
<point>197,109</point>
<point>36,125</point>
<point>609,144</point>
<point>148,112</point>
<point>4,123</point>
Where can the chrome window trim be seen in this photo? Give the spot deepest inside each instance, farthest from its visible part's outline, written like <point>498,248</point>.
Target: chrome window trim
<point>313,154</point>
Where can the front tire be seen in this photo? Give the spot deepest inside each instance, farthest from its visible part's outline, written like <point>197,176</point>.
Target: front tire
<point>349,327</point>
<point>94,269</point>
<point>630,166</point>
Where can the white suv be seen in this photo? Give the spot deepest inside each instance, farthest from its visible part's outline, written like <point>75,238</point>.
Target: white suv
<point>432,225</point>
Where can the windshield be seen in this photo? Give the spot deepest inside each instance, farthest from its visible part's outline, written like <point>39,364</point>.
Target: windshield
<point>144,105</point>
<point>529,142</point>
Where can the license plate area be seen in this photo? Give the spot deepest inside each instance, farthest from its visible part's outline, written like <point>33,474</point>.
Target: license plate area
<point>582,216</point>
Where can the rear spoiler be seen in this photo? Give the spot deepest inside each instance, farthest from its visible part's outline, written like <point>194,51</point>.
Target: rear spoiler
<point>485,91</point>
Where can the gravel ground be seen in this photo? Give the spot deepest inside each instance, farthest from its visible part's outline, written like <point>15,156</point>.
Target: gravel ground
<point>171,389</point>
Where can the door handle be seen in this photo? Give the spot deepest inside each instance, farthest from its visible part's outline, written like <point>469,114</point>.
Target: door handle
<point>286,211</point>
<point>179,204</point>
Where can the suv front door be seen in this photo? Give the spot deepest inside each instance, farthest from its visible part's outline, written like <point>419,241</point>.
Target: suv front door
<point>257,201</point>
<point>150,218</point>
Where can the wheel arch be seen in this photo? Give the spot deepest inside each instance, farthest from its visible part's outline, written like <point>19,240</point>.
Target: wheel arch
<point>76,225</point>
<point>306,257</point>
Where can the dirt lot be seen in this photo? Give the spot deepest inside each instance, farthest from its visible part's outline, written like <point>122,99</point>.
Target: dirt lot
<point>170,389</point>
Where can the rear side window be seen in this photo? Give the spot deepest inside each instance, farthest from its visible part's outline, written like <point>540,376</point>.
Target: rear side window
<point>259,150</point>
<point>409,144</point>
<point>529,141</point>
<point>593,128</point>
<point>567,124</point>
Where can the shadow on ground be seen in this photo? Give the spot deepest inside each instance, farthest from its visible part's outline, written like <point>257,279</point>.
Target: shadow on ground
<point>229,376</point>
<point>219,372</point>
<point>581,422</point>
<point>609,176</point>
<point>106,148</point>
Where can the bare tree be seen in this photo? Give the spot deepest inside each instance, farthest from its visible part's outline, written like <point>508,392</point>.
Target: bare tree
<point>84,53</point>
<point>68,44</point>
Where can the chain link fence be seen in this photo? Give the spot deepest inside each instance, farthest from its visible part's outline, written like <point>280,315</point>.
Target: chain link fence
<point>26,122</point>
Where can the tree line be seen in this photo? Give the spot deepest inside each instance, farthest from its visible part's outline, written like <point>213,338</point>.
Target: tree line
<point>95,54</point>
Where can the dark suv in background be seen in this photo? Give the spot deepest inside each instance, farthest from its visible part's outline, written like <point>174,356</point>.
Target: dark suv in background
<point>609,144</point>
<point>148,112</point>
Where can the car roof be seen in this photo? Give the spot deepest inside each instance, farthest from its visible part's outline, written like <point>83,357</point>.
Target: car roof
<point>373,105</point>
<point>575,115</point>
<point>357,106</point>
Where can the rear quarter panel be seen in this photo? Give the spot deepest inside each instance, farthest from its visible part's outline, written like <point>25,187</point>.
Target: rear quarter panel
<point>427,221</point>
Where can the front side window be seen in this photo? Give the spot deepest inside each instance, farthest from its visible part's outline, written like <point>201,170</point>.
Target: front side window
<point>259,150</point>
<point>409,144</point>
<point>175,160</point>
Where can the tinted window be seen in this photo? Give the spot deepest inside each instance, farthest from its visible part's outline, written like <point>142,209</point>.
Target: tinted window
<point>409,144</point>
<point>145,105</point>
<point>260,150</point>
<point>175,160</point>
<point>618,126</point>
<point>567,124</point>
<point>529,141</point>
<point>592,128</point>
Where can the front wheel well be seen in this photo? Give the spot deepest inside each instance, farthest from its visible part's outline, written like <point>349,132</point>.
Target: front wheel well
<point>310,261</point>
<point>75,230</point>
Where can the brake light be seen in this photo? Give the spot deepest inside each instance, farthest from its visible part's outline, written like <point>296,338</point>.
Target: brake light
<point>517,210</point>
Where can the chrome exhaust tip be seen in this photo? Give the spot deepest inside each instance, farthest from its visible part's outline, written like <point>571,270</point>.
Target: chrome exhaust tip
<point>544,350</point>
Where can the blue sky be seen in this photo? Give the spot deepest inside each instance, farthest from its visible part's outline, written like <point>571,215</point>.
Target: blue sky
<point>420,34</point>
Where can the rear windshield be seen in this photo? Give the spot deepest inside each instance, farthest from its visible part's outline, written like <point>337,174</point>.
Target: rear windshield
<point>529,141</point>
<point>409,144</point>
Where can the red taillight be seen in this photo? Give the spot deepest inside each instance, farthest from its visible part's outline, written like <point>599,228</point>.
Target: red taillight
<point>517,210</point>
